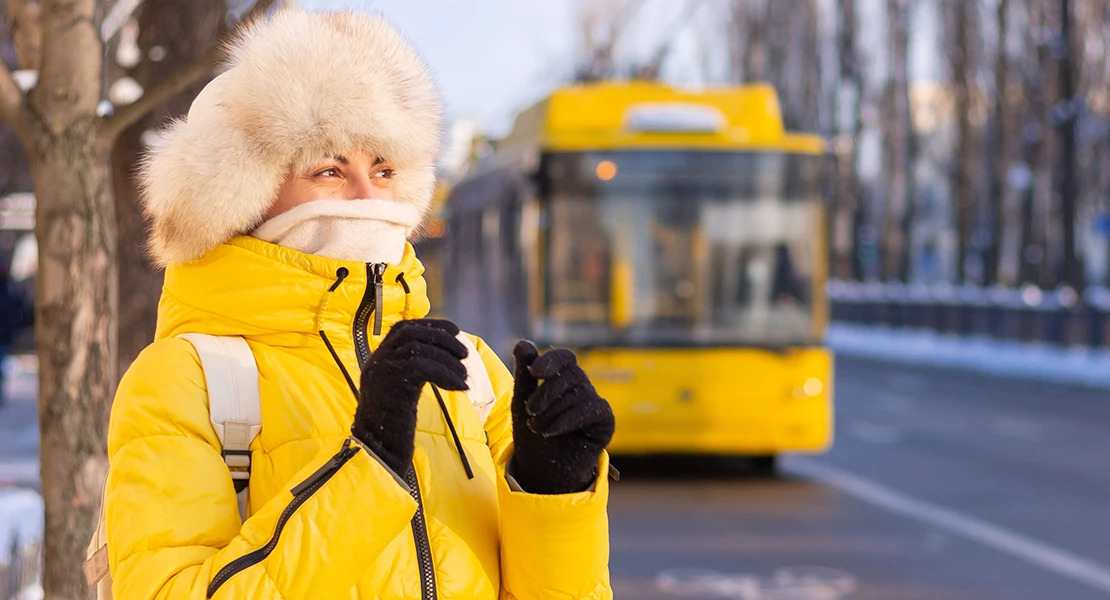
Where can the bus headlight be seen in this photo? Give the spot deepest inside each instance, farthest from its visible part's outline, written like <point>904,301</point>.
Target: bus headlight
<point>811,388</point>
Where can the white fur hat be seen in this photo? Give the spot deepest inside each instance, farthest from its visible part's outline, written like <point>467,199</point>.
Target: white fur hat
<point>298,87</point>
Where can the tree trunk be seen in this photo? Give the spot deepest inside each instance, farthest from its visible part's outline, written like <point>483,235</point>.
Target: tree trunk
<point>899,129</point>
<point>1046,229</point>
<point>1072,268</point>
<point>849,99</point>
<point>810,55</point>
<point>1001,154</point>
<point>76,313</point>
<point>185,31</point>
<point>961,65</point>
<point>737,40</point>
<point>755,51</point>
<point>1036,148</point>
<point>76,303</point>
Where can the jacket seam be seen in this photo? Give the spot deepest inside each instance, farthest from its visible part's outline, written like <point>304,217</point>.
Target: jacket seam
<point>160,435</point>
<point>224,317</point>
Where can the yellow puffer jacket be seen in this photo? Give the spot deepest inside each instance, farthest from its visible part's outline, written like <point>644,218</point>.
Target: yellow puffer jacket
<point>328,520</point>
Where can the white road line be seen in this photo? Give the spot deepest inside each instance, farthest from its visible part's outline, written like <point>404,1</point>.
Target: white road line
<point>1048,557</point>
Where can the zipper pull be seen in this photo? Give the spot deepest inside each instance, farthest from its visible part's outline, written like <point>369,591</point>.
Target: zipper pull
<point>378,271</point>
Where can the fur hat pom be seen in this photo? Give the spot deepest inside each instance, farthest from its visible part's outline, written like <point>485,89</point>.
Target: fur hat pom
<point>298,87</point>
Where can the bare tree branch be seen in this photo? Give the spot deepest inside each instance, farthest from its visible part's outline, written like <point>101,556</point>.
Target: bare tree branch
<point>169,87</point>
<point>11,104</point>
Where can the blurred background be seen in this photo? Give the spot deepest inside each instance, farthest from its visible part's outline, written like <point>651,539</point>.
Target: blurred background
<point>842,268</point>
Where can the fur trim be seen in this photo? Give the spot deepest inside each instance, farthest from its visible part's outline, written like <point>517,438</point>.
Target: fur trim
<point>298,87</point>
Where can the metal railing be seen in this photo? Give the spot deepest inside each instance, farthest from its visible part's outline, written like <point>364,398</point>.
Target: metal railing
<point>1028,314</point>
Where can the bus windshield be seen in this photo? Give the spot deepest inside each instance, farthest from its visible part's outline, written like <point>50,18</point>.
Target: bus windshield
<point>680,248</point>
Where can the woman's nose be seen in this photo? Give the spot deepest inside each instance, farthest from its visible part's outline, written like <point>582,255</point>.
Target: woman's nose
<point>359,188</point>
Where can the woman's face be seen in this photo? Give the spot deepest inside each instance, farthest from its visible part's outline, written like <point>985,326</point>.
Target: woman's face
<point>352,176</point>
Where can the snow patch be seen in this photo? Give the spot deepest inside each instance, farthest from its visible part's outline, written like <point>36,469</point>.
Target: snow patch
<point>21,520</point>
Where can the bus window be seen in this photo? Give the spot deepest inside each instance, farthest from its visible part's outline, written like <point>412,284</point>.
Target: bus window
<point>707,247</point>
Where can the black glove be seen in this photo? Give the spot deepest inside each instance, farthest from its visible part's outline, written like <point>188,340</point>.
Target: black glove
<point>560,426</point>
<point>412,354</point>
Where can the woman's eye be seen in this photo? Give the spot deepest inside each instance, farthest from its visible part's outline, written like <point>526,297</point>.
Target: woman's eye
<point>385,173</point>
<point>328,173</point>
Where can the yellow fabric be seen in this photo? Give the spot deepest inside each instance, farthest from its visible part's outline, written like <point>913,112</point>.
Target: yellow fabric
<point>172,517</point>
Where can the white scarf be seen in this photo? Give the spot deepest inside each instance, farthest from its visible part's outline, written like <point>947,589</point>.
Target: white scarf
<point>356,230</point>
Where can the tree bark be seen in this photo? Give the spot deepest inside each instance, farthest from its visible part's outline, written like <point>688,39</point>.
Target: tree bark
<point>76,302</point>
<point>76,306</point>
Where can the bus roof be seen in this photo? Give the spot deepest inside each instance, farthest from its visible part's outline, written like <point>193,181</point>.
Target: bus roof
<point>646,115</point>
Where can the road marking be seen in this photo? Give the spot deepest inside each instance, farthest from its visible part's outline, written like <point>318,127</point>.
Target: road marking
<point>796,583</point>
<point>1046,556</point>
<point>874,432</point>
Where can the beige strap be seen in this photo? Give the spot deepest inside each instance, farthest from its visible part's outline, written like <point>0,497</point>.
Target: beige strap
<point>234,402</point>
<point>480,388</point>
<point>96,557</point>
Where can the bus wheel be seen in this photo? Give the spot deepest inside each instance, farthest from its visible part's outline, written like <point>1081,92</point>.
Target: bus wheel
<point>765,465</point>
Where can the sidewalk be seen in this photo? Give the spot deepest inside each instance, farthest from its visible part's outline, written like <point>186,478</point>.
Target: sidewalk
<point>1035,362</point>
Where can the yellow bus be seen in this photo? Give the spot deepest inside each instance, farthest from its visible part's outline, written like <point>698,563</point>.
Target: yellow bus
<point>676,240</point>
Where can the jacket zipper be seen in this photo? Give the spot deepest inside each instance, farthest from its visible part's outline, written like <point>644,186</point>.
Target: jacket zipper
<point>301,494</point>
<point>420,535</point>
<point>371,303</point>
<point>371,300</point>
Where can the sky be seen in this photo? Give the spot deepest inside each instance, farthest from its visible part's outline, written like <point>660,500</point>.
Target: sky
<point>489,57</point>
<point>493,58</point>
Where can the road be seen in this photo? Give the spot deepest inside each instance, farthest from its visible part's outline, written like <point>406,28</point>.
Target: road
<point>940,485</point>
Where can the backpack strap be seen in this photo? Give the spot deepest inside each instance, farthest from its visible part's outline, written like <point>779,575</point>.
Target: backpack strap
<point>234,402</point>
<point>235,409</point>
<point>96,556</point>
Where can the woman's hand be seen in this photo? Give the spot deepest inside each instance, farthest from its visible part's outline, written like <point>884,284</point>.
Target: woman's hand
<point>412,354</point>
<point>560,426</point>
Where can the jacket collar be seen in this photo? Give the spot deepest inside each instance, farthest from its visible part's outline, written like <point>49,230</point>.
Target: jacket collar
<point>279,296</point>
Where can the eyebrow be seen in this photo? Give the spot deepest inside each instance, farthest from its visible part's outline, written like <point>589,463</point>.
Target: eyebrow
<point>339,158</point>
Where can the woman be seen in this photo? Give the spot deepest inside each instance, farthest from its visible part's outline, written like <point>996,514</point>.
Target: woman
<point>281,207</point>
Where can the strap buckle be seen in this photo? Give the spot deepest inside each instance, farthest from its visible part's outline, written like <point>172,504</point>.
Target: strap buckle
<point>239,464</point>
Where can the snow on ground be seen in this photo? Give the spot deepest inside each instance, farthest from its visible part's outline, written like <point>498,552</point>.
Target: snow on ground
<point>21,518</point>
